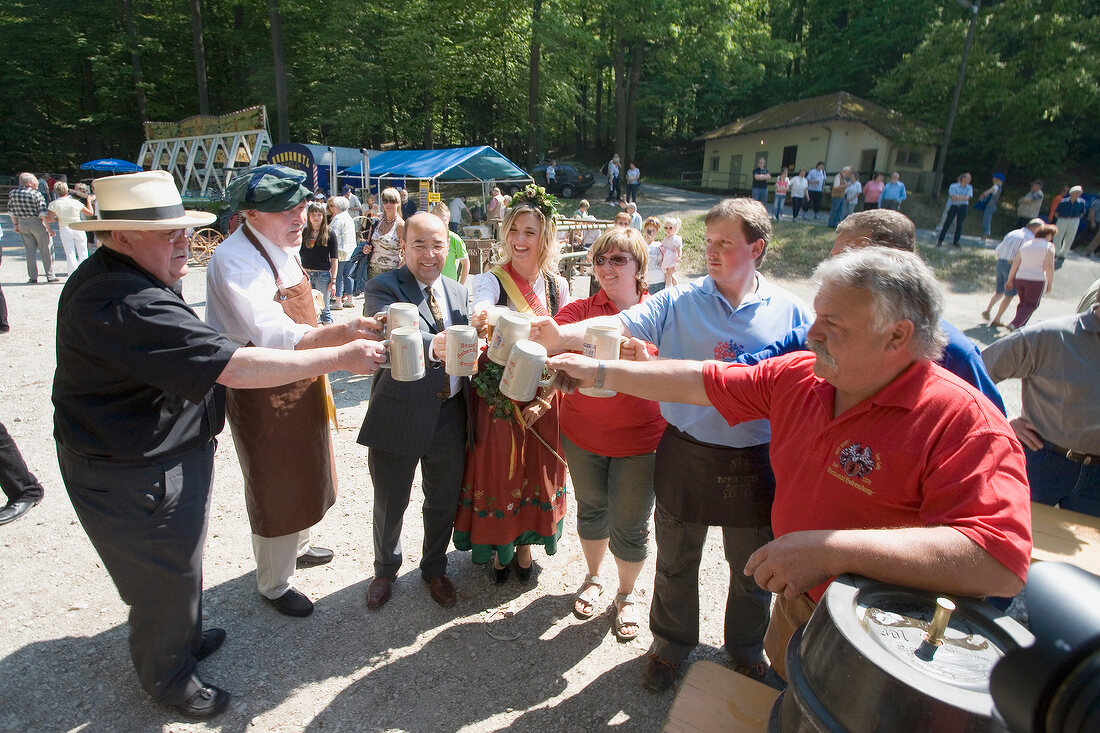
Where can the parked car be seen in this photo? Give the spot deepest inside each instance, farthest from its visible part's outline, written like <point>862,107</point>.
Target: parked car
<point>570,182</point>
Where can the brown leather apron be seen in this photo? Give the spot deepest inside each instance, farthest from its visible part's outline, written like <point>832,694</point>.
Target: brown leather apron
<point>282,436</point>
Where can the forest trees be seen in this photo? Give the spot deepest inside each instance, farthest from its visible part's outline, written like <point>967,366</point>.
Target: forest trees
<point>534,77</point>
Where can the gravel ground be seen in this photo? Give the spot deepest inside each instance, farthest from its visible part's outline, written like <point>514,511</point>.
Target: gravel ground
<point>505,657</point>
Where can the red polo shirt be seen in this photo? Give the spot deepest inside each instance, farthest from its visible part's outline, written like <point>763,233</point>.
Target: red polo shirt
<point>926,450</point>
<point>608,426</point>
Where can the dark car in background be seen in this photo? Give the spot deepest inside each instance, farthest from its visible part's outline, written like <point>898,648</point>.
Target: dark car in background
<point>570,181</point>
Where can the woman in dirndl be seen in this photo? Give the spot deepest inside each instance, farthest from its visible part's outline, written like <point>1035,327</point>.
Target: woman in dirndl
<point>513,487</point>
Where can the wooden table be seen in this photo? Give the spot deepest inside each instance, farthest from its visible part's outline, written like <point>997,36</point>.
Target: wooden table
<point>713,698</point>
<point>1065,536</point>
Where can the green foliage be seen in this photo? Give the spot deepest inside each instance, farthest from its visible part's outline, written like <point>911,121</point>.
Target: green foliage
<point>413,73</point>
<point>1032,86</point>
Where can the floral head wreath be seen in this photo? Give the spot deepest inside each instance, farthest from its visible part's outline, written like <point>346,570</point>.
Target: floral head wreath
<point>536,197</point>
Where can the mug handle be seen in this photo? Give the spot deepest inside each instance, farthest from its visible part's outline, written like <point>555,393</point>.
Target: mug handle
<point>383,317</point>
<point>549,380</point>
<point>385,345</point>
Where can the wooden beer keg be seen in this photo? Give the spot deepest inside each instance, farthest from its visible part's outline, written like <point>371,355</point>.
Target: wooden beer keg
<point>880,657</point>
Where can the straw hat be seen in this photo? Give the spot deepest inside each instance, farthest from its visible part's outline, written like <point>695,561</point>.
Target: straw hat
<point>146,201</point>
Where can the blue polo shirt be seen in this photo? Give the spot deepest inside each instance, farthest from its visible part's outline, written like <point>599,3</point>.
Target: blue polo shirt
<point>695,321</point>
<point>958,189</point>
<point>816,180</point>
<point>893,191</point>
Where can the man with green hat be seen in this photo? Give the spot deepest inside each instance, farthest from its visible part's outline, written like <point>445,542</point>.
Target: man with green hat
<point>259,295</point>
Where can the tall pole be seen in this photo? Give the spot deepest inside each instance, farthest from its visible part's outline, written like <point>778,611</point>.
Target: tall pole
<point>937,178</point>
<point>366,172</point>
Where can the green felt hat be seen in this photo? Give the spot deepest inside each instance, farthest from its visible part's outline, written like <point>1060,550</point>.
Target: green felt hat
<point>268,188</point>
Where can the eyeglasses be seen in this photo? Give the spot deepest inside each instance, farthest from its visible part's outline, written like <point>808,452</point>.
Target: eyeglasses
<point>614,261</point>
<point>424,248</point>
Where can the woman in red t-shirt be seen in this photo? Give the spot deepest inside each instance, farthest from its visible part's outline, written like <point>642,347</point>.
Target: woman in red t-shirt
<point>609,443</point>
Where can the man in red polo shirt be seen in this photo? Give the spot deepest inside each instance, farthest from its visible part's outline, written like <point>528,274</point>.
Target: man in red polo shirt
<point>886,465</point>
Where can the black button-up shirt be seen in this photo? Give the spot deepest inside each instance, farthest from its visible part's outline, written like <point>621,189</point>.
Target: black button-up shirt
<point>137,368</point>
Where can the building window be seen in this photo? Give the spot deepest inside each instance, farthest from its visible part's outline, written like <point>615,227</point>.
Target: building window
<point>714,163</point>
<point>910,158</point>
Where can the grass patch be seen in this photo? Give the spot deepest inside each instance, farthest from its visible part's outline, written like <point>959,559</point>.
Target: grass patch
<point>796,249</point>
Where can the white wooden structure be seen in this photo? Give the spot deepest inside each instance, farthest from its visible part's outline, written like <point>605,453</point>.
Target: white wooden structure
<point>199,151</point>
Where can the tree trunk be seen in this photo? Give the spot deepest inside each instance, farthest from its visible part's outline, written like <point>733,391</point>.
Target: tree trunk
<point>93,142</point>
<point>533,88</point>
<point>281,100</point>
<point>599,110</point>
<point>200,56</point>
<point>580,138</point>
<point>619,62</point>
<point>135,57</point>
<point>635,80</point>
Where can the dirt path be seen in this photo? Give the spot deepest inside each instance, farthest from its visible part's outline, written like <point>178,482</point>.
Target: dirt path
<point>505,657</point>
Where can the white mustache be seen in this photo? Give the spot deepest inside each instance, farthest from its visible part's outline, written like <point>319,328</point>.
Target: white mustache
<point>822,353</point>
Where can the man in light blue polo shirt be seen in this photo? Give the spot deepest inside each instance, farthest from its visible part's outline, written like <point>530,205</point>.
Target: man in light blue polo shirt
<point>707,473</point>
<point>959,194</point>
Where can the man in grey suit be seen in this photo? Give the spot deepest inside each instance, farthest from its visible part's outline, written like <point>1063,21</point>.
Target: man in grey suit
<point>417,422</point>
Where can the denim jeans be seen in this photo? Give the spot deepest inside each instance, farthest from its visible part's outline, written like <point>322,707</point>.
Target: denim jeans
<point>836,210</point>
<point>780,198</point>
<point>761,195</point>
<point>343,282</point>
<point>614,499</point>
<point>362,274</point>
<point>1058,481</point>
<point>987,218</point>
<point>319,281</point>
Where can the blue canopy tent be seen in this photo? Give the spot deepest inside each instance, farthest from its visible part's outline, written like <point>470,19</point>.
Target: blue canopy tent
<point>480,165</point>
<point>113,165</point>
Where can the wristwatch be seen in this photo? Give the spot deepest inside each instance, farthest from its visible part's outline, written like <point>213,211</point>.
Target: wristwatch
<point>601,373</point>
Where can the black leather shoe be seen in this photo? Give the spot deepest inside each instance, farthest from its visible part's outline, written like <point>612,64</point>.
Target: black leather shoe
<point>209,643</point>
<point>16,509</point>
<point>206,703</point>
<point>315,556</point>
<point>292,603</point>
<point>500,575</point>
<point>524,573</point>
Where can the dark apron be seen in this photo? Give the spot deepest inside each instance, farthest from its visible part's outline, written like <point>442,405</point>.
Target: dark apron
<point>282,436</point>
<point>712,484</point>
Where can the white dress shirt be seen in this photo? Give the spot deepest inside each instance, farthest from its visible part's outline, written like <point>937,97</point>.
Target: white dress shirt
<point>240,292</point>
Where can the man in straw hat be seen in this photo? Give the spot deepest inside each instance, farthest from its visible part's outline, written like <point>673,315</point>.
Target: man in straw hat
<point>258,294</point>
<point>139,398</point>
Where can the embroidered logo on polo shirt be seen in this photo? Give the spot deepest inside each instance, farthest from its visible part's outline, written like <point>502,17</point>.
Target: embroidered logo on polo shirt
<point>728,351</point>
<point>853,465</point>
